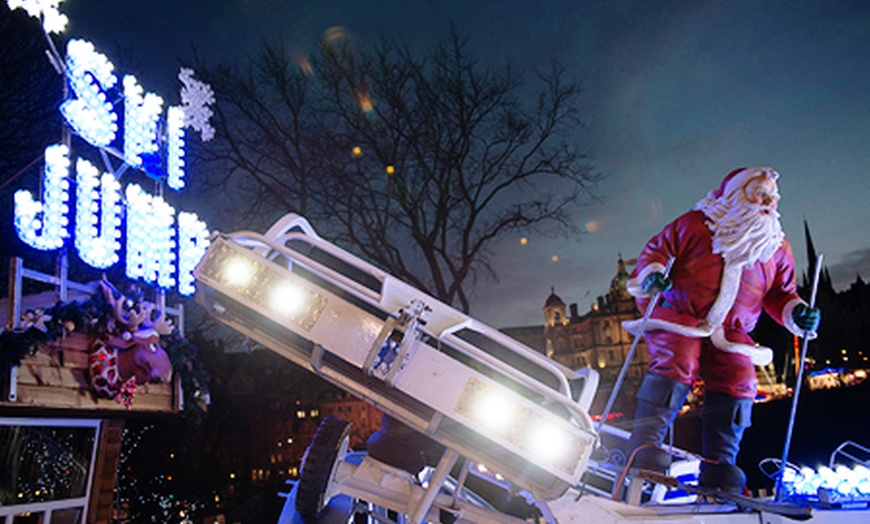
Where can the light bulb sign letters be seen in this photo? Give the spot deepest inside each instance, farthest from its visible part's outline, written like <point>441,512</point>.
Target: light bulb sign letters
<point>161,247</point>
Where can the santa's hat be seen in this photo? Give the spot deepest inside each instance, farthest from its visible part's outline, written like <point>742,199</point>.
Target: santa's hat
<point>739,178</point>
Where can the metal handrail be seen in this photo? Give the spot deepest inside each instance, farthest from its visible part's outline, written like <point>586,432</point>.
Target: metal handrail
<point>17,274</point>
<point>256,241</point>
<point>847,444</point>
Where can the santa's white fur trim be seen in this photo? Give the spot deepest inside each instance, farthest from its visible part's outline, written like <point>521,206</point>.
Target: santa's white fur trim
<point>741,178</point>
<point>760,355</point>
<point>634,286</point>
<point>633,327</point>
<point>728,288</point>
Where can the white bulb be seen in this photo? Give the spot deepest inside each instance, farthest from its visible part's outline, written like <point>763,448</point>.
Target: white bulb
<point>28,223</point>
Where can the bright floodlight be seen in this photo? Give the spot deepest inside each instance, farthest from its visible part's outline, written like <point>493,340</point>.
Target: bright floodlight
<point>547,442</point>
<point>287,300</point>
<point>238,272</point>
<point>493,411</point>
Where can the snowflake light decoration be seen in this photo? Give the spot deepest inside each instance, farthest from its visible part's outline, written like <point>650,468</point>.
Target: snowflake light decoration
<point>196,96</point>
<point>53,21</point>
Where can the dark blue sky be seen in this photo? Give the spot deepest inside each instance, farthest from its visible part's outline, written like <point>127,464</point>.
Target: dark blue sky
<point>677,94</point>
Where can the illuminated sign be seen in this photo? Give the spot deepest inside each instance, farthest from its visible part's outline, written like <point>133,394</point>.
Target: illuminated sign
<point>161,247</point>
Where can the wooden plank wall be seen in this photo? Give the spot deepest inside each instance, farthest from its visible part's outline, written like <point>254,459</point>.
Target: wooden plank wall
<point>101,504</point>
<point>56,377</point>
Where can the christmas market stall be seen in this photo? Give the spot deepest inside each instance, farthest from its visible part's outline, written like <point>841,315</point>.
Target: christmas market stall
<point>77,360</point>
<point>74,365</point>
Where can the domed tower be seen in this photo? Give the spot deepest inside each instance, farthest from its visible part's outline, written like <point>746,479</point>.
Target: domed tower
<point>618,298</point>
<point>617,285</point>
<point>554,311</point>
<point>555,320</point>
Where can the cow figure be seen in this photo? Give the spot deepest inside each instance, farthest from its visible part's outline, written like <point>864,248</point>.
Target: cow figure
<point>130,353</point>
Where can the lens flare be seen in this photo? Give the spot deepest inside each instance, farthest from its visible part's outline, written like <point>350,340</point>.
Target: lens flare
<point>238,272</point>
<point>287,300</point>
<point>547,442</point>
<point>493,411</point>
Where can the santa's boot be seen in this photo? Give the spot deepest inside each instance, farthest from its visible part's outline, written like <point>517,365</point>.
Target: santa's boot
<point>724,418</point>
<point>658,401</point>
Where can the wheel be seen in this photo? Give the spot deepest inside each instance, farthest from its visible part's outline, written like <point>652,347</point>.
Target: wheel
<point>321,460</point>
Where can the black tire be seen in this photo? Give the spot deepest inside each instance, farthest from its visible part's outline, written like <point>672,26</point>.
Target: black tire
<point>326,451</point>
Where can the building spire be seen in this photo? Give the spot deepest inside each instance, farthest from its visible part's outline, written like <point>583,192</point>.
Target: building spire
<point>825,283</point>
<point>811,249</point>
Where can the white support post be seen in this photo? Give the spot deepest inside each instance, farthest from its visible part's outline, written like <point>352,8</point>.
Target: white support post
<point>13,312</point>
<point>448,459</point>
<point>13,317</point>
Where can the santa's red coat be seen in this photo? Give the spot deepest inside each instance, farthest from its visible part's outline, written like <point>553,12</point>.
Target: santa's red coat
<point>683,335</point>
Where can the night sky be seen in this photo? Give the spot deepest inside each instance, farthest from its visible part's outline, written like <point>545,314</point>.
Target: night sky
<point>677,94</point>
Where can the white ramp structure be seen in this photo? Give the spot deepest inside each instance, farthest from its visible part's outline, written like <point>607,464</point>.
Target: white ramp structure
<point>480,393</point>
<point>485,397</point>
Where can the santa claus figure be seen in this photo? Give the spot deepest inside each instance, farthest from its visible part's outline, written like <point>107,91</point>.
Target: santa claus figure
<point>730,261</point>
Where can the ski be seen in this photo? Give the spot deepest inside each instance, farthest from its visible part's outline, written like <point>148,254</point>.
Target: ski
<point>741,501</point>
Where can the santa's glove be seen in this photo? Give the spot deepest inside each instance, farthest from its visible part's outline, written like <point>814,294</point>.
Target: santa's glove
<point>807,318</point>
<point>656,283</point>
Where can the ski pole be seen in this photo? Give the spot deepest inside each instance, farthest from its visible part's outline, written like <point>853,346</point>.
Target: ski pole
<point>797,386</point>
<point>622,372</point>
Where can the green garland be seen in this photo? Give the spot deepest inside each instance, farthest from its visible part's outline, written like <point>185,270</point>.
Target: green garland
<point>40,326</point>
<point>92,317</point>
<point>190,370</point>
<point>15,345</point>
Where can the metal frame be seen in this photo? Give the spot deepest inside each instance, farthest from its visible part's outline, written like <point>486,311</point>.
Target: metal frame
<point>358,313</point>
<point>359,307</point>
<point>8,513</point>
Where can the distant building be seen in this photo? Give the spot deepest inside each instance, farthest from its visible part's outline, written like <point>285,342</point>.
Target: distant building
<point>595,339</point>
<point>364,418</point>
<point>273,410</point>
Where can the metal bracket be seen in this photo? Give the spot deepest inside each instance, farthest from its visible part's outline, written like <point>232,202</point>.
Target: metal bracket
<point>377,345</point>
<point>386,355</point>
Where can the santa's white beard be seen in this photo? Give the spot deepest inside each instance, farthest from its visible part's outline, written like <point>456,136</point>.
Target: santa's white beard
<point>742,232</point>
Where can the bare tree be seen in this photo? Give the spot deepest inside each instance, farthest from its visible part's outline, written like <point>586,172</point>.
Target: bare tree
<point>416,162</point>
